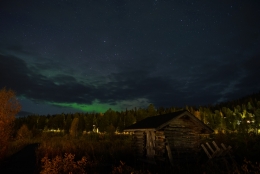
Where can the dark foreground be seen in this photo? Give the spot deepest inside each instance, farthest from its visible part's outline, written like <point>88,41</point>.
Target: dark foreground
<point>22,162</point>
<point>25,162</point>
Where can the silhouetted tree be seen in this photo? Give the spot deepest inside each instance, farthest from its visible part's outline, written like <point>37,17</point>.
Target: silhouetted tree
<point>151,111</point>
<point>88,119</point>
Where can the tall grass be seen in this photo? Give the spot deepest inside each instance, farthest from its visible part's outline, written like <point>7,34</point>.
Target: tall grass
<point>102,149</point>
<point>114,152</point>
<point>99,149</point>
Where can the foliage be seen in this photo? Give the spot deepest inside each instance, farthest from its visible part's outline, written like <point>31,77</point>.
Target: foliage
<point>102,149</point>
<point>23,133</point>
<point>235,116</point>
<point>124,169</point>
<point>236,123</point>
<point>9,107</point>
<point>110,130</point>
<point>249,167</point>
<point>97,147</point>
<point>74,127</point>
<point>64,165</point>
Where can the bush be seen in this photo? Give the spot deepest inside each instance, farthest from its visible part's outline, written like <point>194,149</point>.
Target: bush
<point>249,167</point>
<point>66,165</point>
<point>124,169</point>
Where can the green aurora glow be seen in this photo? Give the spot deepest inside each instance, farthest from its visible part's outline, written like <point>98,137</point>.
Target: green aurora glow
<point>95,107</point>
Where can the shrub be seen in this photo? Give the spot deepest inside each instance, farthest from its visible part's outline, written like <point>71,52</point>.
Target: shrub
<point>249,167</point>
<point>60,165</point>
<point>124,169</point>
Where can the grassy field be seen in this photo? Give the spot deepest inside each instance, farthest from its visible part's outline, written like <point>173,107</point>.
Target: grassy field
<point>112,153</point>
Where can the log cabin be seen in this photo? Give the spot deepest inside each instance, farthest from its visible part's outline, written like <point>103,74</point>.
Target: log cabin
<point>158,137</point>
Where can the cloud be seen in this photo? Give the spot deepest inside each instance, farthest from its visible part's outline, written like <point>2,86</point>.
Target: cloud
<point>201,83</point>
<point>121,86</point>
<point>250,82</point>
<point>16,75</point>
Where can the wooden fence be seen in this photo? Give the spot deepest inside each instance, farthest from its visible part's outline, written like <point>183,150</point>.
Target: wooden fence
<point>215,150</point>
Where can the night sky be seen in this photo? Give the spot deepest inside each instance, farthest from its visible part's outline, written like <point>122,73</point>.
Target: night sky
<point>92,55</point>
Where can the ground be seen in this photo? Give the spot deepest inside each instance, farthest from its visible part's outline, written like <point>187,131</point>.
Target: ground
<point>21,162</point>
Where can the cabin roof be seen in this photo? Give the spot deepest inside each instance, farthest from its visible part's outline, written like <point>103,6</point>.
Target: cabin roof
<point>155,121</point>
<point>159,121</point>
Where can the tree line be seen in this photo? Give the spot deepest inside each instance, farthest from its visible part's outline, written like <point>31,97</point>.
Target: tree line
<point>238,115</point>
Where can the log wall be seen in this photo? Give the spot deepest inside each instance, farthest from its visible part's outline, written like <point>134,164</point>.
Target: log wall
<point>139,143</point>
<point>150,144</point>
<point>179,136</point>
<point>183,134</point>
<point>160,145</point>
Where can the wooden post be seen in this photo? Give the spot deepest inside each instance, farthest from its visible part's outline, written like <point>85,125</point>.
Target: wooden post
<point>206,151</point>
<point>224,147</point>
<point>210,148</point>
<point>216,146</point>
<point>153,138</point>
<point>169,153</point>
<point>150,144</point>
<point>226,150</point>
<point>218,151</point>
